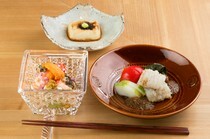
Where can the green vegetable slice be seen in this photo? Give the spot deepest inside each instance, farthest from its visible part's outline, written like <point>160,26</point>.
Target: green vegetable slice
<point>55,105</point>
<point>141,89</point>
<point>85,25</point>
<point>129,89</point>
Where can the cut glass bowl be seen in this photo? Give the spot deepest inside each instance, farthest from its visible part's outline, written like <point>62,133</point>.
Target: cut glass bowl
<point>62,101</point>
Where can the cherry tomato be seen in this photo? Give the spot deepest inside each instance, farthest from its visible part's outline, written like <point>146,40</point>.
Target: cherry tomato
<point>131,73</point>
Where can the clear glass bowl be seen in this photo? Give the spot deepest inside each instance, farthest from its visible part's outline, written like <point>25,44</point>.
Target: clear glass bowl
<point>62,101</point>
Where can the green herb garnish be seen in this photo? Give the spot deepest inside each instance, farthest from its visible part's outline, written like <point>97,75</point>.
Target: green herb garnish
<point>156,66</point>
<point>84,25</point>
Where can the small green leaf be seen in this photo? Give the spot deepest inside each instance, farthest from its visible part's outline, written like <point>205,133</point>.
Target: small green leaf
<point>156,66</point>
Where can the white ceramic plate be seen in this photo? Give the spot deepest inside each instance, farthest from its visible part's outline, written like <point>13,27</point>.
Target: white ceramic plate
<point>55,28</point>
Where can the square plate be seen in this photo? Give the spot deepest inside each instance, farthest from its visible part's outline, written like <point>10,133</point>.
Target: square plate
<point>55,28</point>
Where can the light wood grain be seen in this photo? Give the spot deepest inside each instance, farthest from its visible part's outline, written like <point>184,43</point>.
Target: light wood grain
<point>181,25</point>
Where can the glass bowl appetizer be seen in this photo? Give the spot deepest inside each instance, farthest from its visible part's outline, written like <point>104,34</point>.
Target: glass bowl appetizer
<point>53,83</point>
<point>53,80</point>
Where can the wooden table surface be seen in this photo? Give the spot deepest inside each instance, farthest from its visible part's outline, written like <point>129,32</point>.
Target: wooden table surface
<point>181,25</point>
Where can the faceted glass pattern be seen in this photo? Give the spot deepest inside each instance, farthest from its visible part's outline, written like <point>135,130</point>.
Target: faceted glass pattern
<point>63,102</point>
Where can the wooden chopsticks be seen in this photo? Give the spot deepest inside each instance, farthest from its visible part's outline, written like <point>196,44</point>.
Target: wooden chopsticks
<point>114,127</point>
